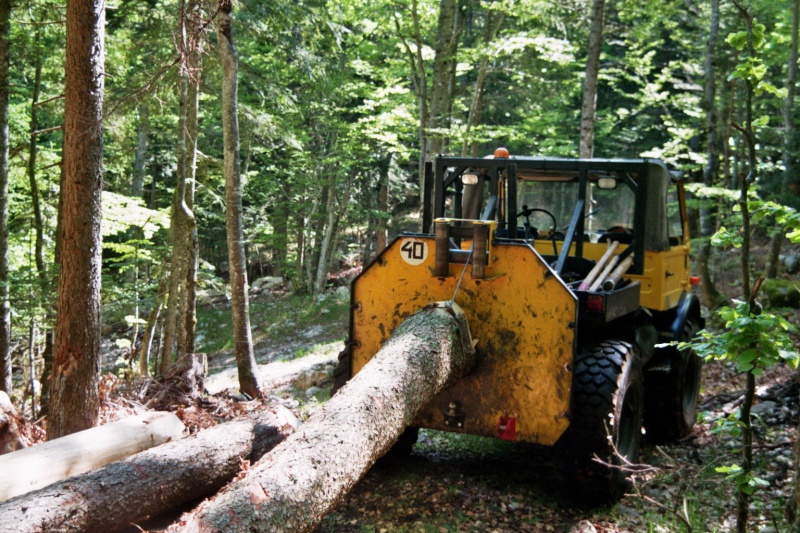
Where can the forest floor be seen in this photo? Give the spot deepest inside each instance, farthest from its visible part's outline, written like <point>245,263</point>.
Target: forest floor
<point>454,482</point>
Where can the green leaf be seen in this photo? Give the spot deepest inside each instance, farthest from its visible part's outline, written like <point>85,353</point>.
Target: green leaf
<point>760,122</point>
<point>737,40</point>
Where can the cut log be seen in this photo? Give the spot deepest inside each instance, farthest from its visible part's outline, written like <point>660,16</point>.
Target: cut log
<point>296,484</point>
<point>41,465</point>
<point>150,482</point>
<point>10,437</point>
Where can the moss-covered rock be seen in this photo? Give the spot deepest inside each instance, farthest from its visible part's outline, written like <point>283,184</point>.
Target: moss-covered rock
<point>782,293</point>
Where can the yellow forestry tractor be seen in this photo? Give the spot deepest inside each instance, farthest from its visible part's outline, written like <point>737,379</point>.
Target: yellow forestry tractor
<point>573,275</point>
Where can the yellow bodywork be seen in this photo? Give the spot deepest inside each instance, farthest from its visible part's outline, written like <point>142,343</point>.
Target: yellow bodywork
<point>522,316</point>
<point>665,277</point>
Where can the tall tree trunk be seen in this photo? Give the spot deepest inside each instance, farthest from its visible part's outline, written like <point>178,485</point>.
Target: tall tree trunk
<point>240,305</point>
<point>75,400</point>
<point>302,257</point>
<point>443,62</point>
<point>590,81</point>
<point>5,306</point>
<point>711,172</point>
<point>791,182</point>
<point>296,484</point>
<point>791,179</point>
<point>150,329</point>
<point>494,21</point>
<point>186,333</point>
<point>383,206</point>
<point>420,82</point>
<point>140,156</point>
<point>280,239</point>
<point>183,222</point>
<point>327,237</point>
<point>317,223</point>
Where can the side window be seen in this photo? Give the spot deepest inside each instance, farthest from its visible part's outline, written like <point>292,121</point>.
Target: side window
<point>675,225</point>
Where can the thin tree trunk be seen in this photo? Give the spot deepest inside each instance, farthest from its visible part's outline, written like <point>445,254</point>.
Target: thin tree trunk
<point>743,498</point>
<point>317,222</point>
<point>493,23</point>
<point>240,305</point>
<point>75,400</point>
<point>150,482</point>
<point>790,178</point>
<point>711,173</point>
<point>444,57</point>
<point>791,182</point>
<point>295,485</point>
<point>280,239</point>
<point>186,334</point>
<point>301,250</point>
<point>383,206</point>
<point>327,237</point>
<point>590,81</point>
<point>140,156</point>
<point>149,330</point>
<point>183,220</point>
<point>5,306</point>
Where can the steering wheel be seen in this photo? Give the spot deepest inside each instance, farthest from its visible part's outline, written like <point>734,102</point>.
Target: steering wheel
<point>527,212</point>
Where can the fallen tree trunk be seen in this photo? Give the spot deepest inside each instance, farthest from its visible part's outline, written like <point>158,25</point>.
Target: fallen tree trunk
<point>41,465</point>
<point>296,484</point>
<point>151,482</point>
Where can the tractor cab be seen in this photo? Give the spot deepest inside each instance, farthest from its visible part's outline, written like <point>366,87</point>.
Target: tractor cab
<point>572,274</point>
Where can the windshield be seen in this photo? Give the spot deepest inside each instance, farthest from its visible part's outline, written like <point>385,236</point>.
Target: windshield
<point>607,209</point>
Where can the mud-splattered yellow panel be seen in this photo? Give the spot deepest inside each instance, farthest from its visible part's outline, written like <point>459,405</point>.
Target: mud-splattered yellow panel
<point>522,316</point>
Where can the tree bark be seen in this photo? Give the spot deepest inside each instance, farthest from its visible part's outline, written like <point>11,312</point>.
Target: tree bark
<point>150,482</point>
<point>791,179</point>
<point>444,58</point>
<point>295,485</point>
<point>590,81</point>
<point>494,21</point>
<point>240,305</point>
<point>711,172</point>
<point>75,400</point>
<point>382,228</point>
<point>5,306</point>
<point>55,460</point>
<point>188,323</point>
<point>149,330</point>
<point>140,157</point>
<point>791,183</point>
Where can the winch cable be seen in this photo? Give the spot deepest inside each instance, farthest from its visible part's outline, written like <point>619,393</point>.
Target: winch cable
<point>464,271</point>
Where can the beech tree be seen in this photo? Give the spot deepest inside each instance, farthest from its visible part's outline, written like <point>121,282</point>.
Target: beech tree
<point>75,402</point>
<point>240,304</point>
<point>5,308</point>
<point>590,81</point>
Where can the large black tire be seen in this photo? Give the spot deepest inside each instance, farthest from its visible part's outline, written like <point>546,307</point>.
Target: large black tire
<point>402,448</point>
<point>341,374</point>
<point>607,400</point>
<point>672,391</point>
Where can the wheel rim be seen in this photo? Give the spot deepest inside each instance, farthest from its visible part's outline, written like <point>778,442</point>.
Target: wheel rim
<point>691,386</point>
<point>629,426</point>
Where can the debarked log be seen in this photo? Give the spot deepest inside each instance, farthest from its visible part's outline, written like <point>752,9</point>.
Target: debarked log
<point>46,463</point>
<point>150,482</point>
<point>294,486</point>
